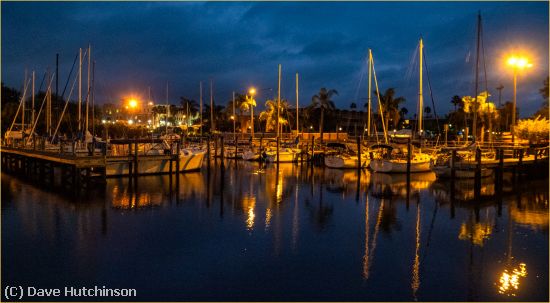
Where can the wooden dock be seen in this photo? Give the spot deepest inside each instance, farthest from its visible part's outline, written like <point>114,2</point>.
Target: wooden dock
<point>75,169</point>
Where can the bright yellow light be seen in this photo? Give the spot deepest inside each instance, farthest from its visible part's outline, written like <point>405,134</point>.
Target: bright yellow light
<point>150,103</point>
<point>252,91</point>
<point>232,117</point>
<point>130,122</point>
<point>509,281</point>
<point>132,103</point>
<point>519,62</point>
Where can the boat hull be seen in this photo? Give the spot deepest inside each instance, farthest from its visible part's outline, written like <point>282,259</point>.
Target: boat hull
<point>345,162</point>
<point>397,166</point>
<point>284,156</point>
<point>188,161</point>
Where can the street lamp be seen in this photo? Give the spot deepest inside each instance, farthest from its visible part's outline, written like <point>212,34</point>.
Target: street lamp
<point>251,103</point>
<point>132,103</point>
<point>517,63</point>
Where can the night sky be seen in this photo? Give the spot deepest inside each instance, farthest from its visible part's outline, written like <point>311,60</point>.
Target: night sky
<point>239,44</point>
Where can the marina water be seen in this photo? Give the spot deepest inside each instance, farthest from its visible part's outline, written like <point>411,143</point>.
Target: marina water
<point>254,232</point>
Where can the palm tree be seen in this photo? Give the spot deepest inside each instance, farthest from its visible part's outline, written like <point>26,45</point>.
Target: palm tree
<point>390,106</point>
<point>269,115</point>
<point>403,112</point>
<point>427,110</point>
<point>323,101</point>
<point>190,107</point>
<point>456,101</point>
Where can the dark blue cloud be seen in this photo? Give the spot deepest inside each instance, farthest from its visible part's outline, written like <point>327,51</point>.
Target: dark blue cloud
<point>238,44</point>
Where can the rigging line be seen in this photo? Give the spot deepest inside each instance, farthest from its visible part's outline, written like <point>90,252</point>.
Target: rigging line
<point>483,56</point>
<point>379,103</point>
<point>42,82</point>
<point>431,92</point>
<point>412,65</point>
<point>69,77</point>
<point>43,102</point>
<point>65,109</point>
<point>356,98</point>
<point>25,86</point>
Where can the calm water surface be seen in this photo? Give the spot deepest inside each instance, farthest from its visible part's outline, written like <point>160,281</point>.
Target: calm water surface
<point>252,233</point>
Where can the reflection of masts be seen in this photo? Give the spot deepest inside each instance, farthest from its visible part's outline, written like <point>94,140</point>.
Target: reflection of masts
<point>295,219</point>
<point>415,284</point>
<point>369,253</point>
<point>366,264</point>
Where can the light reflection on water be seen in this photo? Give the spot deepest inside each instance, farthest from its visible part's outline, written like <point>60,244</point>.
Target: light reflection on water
<point>296,233</point>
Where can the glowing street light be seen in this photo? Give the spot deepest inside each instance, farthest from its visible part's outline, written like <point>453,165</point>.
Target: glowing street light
<point>517,63</point>
<point>251,103</point>
<point>132,103</point>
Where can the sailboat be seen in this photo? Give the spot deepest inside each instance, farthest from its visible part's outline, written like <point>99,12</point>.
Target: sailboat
<point>395,160</point>
<point>342,156</point>
<point>339,155</point>
<point>464,162</point>
<point>287,152</point>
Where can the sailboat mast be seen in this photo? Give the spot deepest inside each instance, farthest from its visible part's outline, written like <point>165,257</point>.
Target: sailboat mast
<point>80,90</point>
<point>93,98</point>
<point>212,125</point>
<point>23,105</point>
<point>48,107</point>
<point>474,122</point>
<point>234,123</point>
<point>88,91</point>
<point>370,94</point>
<point>278,101</point>
<point>420,96</point>
<point>297,107</point>
<point>32,102</point>
<point>200,100</point>
<point>57,86</point>
<point>167,111</point>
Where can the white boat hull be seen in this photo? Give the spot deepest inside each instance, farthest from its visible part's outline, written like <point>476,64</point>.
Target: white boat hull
<point>290,155</point>
<point>343,162</point>
<point>250,155</point>
<point>188,161</point>
<point>398,166</point>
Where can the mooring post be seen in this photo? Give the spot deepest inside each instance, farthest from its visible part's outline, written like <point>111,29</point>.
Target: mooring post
<point>520,157</point>
<point>477,180</point>
<point>359,164</point>
<point>278,146</point>
<point>215,147</point>
<point>261,148</point>
<point>208,152</point>
<point>222,151</point>
<point>453,169</point>
<point>312,147</point>
<point>178,158</point>
<point>478,160</point>
<point>409,153</point>
<point>135,157</point>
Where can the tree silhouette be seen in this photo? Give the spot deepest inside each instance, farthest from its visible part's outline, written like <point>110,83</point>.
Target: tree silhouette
<point>390,105</point>
<point>323,101</point>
